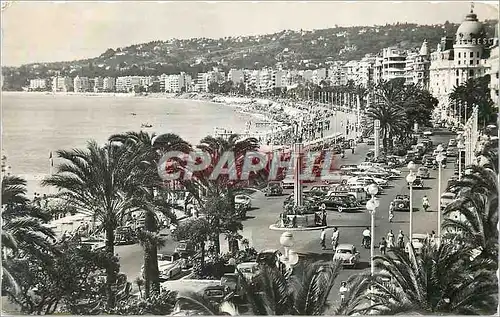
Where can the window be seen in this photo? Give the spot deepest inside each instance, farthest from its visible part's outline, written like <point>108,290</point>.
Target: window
<point>471,61</point>
<point>477,54</point>
<point>458,73</point>
<point>459,54</point>
<point>458,62</point>
<point>456,82</point>
<point>471,72</point>
<point>477,62</point>
<point>471,54</point>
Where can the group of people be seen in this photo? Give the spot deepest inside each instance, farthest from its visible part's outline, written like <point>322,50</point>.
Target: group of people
<point>334,239</point>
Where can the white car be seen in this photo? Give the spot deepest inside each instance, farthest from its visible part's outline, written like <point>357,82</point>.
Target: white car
<point>377,180</point>
<point>418,241</point>
<point>347,254</point>
<point>428,133</point>
<point>244,201</point>
<point>288,182</point>
<point>248,269</point>
<point>367,165</point>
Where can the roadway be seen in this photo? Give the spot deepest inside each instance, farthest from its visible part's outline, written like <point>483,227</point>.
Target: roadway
<point>267,209</point>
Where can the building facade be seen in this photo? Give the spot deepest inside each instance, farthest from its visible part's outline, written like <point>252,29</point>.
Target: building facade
<point>458,59</point>
<point>81,84</point>
<point>108,84</point>
<point>38,84</point>
<point>62,84</point>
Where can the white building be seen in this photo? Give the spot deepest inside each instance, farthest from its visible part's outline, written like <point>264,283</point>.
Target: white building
<point>318,75</point>
<point>236,76</point>
<point>393,63</point>
<point>417,67</point>
<point>108,84</point>
<point>203,80</point>
<point>178,82</point>
<point>494,62</point>
<point>98,84</point>
<point>456,61</point>
<point>62,84</point>
<point>38,84</point>
<point>127,83</point>
<point>81,84</point>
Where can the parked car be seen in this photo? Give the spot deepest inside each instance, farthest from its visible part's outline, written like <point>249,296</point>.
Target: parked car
<point>348,168</point>
<point>288,182</point>
<point>401,203</point>
<point>428,133</point>
<point>417,183</point>
<point>446,199</point>
<point>214,294</point>
<point>418,240</point>
<point>274,188</point>
<point>244,200</point>
<point>340,203</point>
<point>169,265</point>
<point>423,172</point>
<point>347,254</point>
<point>248,269</point>
<point>185,249</point>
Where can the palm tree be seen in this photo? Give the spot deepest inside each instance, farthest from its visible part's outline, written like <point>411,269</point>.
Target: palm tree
<point>442,279</point>
<point>145,151</point>
<point>99,181</point>
<point>23,226</point>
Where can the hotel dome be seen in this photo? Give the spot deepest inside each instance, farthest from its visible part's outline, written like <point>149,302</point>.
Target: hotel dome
<point>470,29</point>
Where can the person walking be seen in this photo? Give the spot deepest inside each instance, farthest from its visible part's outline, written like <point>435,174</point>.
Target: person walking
<point>335,238</point>
<point>391,211</point>
<point>401,239</point>
<point>322,238</point>
<point>324,224</point>
<point>343,291</point>
<point>383,246</point>
<point>390,240</point>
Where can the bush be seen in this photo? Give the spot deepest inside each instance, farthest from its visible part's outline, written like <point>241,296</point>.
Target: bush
<point>156,304</point>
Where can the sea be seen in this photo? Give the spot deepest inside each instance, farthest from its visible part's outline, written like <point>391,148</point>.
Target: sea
<point>34,125</point>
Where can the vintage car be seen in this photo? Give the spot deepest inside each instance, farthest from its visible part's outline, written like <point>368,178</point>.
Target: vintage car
<point>214,294</point>
<point>185,249</point>
<point>348,168</point>
<point>428,133</point>
<point>340,203</point>
<point>451,151</point>
<point>125,235</point>
<point>169,265</point>
<point>357,192</point>
<point>244,201</point>
<point>288,182</point>
<point>274,189</point>
<point>401,203</point>
<point>248,269</point>
<point>428,161</point>
<point>417,183</point>
<point>418,240</point>
<point>347,254</point>
<point>423,172</point>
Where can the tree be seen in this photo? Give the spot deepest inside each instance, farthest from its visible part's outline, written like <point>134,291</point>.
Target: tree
<point>442,279</point>
<point>99,181</point>
<point>23,227</point>
<point>197,231</point>
<point>145,151</point>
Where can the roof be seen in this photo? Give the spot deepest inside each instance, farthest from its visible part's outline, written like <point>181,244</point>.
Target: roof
<point>345,246</point>
<point>470,28</point>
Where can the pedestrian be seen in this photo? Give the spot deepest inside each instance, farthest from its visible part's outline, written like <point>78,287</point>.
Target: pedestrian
<point>383,245</point>
<point>391,211</point>
<point>294,221</point>
<point>322,238</point>
<point>343,290</point>
<point>401,239</point>
<point>324,218</point>
<point>390,240</point>
<point>432,238</point>
<point>335,238</point>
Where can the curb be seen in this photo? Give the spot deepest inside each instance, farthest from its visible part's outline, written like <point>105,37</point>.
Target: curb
<point>275,228</point>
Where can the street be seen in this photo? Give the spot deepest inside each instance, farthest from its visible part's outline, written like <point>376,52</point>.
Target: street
<point>267,209</point>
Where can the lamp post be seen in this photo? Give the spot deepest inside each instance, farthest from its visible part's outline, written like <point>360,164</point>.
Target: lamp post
<point>439,158</point>
<point>371,206</point>
<point>412,167</point>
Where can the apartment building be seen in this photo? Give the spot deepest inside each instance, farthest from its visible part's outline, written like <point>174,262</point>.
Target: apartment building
<point>417,67</point>
<point>62,84</point>
<point>108,84</point>
<point>337,74</point>
<point>318,75</point>
<point>236,76</point>
<point>97,84</point>
<point>393,63</point>
<point>203,80</point>
<point>38,84</point>
<point>81,84</point>
<point>177,83</point>
<point>127,83</point>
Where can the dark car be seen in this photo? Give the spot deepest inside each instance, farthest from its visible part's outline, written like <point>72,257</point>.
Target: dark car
<point>417,183</point>
<point>401,203</point>
<point>214,294</point>
<point>274,188</point>
<point>270,258</point>
<point>340,203</point>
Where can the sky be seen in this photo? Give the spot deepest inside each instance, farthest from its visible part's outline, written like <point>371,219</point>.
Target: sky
<point>61,31</point>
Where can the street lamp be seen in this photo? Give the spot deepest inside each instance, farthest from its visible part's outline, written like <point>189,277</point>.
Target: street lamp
<point>439,158</point>
<point>371,206</point>
<point>460,147</point>
<point>410,179</point>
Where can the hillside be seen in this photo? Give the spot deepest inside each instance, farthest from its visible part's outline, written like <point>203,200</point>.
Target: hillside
<point>290,49</point>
